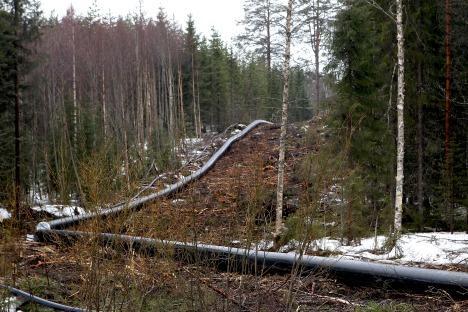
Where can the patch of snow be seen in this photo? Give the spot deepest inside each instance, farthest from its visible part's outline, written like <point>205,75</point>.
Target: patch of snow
<point>4,214</point>
<point>30,238</point>
<point>430,248</point>
<point>178,200</point>
<point>39,198</point>
<point>10,304</point>
<point>236,131</point>
<point>60,210</point>
<point>263,245</point>
<point>193,140</point>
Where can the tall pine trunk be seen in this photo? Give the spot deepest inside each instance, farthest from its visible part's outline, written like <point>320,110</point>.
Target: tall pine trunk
<point>317,53</point>
<point>400,120</point>
<point>17,113</point>
<point>268,38</point>
<point>448,114</point>
<point>284,120</point>
<point>420,150</point>
<point>194,100</point>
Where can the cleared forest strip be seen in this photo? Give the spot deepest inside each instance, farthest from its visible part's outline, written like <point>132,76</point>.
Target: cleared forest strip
<point>244,225</point>
<point>138,202</point>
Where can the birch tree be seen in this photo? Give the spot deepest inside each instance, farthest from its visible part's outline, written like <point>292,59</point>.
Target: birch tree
<point>284,120</point>
<point>400,119</point>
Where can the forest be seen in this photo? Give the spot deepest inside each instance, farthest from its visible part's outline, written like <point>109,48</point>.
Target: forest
<point>133,148</point>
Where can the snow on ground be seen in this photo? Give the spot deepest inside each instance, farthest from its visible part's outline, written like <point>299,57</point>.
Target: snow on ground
<point>60,210</point>
<point>39,197</point>
<point>429,248</point>
<point>10,304</point>
<point>193,141</point>
<point>4,214</point>
<point>438,248</point>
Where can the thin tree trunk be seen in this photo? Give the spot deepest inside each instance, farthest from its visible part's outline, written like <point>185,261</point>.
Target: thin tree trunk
<point>181,102</point>
<point>315,36</point>
<point>125,138</point>
<point>139,101</point>
<point>400,119</point>
<point>75,106</point>
<point>194,101</point>
<point>198,110</point>
<point>171,102</point>
<point>268,30</point>
<point>148,110</point>
<point>104,109</point>
<point>317,53</point>
<point>17,117</point>
<point>448,113</point>
<point>284,120</point>
<point>420,151</point>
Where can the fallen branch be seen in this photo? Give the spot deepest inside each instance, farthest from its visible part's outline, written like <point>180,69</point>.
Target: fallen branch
<point>217,290</point>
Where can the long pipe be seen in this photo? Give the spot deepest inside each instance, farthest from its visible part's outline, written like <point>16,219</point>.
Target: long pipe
<point>357,270</point>
<point>140,201</point>
<point>262,261</point>
<point>41,301</point>
<point>52,226</point>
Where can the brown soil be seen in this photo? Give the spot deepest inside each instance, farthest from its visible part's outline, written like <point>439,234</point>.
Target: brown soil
<point>233,201</point>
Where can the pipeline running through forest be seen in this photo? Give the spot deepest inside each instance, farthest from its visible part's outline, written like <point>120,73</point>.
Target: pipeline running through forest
<point>259,261</point>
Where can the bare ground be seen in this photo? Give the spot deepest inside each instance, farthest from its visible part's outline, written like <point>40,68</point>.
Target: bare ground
<point>234,201</point>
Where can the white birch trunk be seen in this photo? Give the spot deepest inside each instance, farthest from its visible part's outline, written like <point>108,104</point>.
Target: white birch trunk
<point>171,101</point>
<point>104,109</point>
<point>284,120</point>
<point>194,102</point>
<point>181,103</point>
<point>401,123</point>
<point>75,105</point>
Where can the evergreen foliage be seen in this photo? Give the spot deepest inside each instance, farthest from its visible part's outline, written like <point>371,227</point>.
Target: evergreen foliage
<point>364,57</point>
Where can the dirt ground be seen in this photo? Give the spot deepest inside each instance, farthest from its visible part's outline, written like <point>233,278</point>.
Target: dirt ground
<point>235,201</point>
<point>107,280</point>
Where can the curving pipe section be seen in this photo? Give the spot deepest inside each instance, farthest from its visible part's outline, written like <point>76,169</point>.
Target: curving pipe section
<point>44,227</point>
<point>140,201</point>
<point>354,270</point>
<point>41,301</point>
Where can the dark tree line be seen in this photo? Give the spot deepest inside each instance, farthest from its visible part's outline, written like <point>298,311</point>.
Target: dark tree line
<point>124,91</point>
<point>364,62</point>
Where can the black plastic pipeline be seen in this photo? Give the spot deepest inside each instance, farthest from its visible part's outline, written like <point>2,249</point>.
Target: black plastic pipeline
<point>357,271</point>
<point>138,202</point>
<point>41,301</point>
<point>264,261</point>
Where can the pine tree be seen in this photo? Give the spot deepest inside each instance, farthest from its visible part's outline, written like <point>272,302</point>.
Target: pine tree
<point>19,21</point>
<point>361,114</point>
<point>191,73</point>
<point>259,25</point>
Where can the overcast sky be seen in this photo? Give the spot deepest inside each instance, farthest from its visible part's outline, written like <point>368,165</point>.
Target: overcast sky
<point>222,14</point>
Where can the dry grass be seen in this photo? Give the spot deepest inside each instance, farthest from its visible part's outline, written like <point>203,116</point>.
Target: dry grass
<point>234,201</point>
